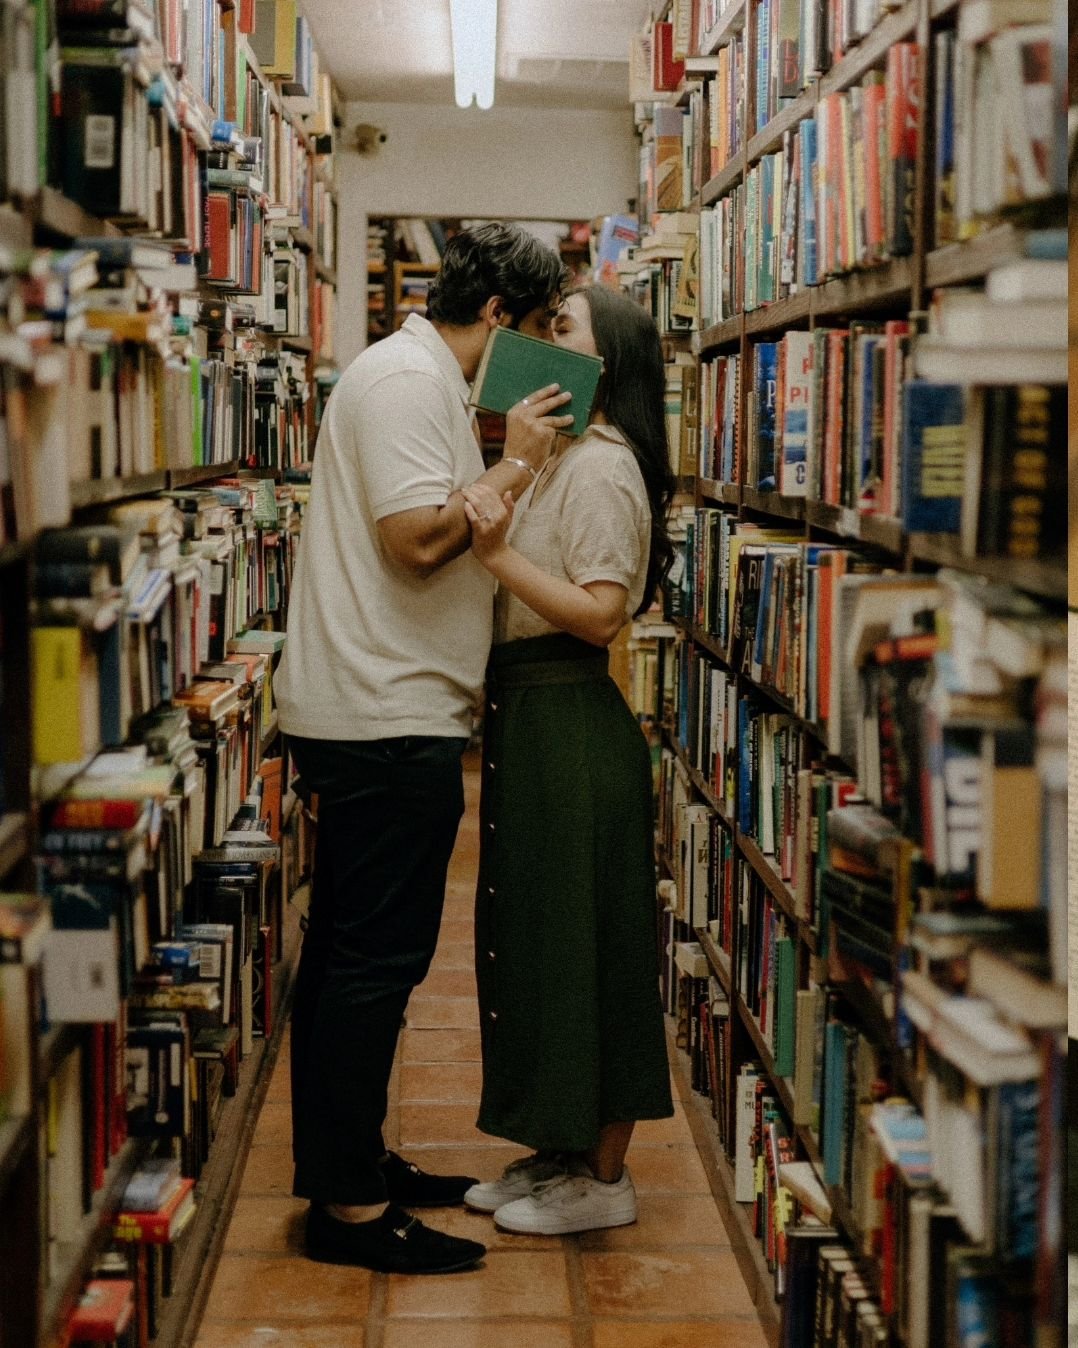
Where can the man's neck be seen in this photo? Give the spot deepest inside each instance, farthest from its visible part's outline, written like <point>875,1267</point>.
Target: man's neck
<point>466,344</point>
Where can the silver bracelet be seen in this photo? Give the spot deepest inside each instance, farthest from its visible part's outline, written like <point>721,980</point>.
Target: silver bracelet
<point>521,464</point>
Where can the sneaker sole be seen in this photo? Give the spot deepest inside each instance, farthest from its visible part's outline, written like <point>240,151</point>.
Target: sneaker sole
<point>331,1257</point>
<point>488,1205</point>
<point>566,1228</point>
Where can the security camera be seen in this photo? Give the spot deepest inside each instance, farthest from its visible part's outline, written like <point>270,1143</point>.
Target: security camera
<point>368,139</point>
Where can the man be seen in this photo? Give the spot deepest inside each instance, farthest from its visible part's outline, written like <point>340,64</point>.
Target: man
<point>389,628</point>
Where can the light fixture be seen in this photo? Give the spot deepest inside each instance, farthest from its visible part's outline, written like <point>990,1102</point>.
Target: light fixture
<point>475,42</point>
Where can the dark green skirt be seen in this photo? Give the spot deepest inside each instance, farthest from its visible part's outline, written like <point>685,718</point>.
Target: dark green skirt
<point>566,917</point>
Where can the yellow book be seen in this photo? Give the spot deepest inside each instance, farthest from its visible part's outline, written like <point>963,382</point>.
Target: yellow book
<point>66,718</point>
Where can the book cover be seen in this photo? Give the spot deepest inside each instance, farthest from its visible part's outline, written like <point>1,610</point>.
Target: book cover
<point>903,133</point>
<point>933,456</point>
<point>515,366</point>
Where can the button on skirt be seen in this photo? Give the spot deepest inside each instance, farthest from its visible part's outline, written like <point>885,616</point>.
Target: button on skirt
<point>566,913</point>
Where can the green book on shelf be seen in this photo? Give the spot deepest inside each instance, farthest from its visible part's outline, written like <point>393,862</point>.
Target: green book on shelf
<point>515,366</point>
<point>786,1006</point>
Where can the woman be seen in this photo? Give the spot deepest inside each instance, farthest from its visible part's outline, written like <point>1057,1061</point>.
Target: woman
<point>573,1044</point>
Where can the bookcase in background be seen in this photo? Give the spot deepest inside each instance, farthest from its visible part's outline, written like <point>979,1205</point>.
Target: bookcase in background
<point>167,315</point>
<point>856,243</point>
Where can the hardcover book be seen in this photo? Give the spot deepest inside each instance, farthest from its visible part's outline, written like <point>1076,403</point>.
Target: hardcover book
<point>515,366</point>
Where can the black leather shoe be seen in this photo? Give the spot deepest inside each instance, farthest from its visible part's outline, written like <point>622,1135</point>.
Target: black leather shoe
<point>396,1242</point>
<point>411,1187</point>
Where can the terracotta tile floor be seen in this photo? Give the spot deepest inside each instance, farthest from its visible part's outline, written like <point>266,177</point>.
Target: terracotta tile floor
<point>669,1281</point>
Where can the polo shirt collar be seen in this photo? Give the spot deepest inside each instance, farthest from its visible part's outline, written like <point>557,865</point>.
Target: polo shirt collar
<point>424,332</point>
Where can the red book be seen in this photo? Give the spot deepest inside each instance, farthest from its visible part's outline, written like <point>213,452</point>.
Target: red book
<point>104,1311</point>
<point>245,16</point>
<point>903,132</point>
<point>99,1102</point>
<point>667,73</point>
<point>160,1227</point>
<point>218,236</point>
<point>110,814</point>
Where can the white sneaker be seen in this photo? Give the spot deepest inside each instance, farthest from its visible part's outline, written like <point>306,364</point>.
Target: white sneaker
<point>517,1180</point>
<point>570,1202</point>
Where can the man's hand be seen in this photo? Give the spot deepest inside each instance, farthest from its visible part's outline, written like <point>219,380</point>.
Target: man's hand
<point>531,427</point>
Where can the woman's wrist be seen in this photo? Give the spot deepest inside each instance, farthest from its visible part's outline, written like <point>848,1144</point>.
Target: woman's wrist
<point>523,464</point>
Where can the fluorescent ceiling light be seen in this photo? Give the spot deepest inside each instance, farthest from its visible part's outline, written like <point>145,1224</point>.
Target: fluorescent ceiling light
<point>475,42</point>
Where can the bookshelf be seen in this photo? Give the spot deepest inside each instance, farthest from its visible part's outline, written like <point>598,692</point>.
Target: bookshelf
<point>786,982</point>
<point>160,409</point>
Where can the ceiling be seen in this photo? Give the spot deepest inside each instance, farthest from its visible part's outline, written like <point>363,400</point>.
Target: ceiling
<point>551,53</point>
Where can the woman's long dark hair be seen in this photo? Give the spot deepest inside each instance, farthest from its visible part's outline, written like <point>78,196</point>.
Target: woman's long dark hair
<point>632,396</point>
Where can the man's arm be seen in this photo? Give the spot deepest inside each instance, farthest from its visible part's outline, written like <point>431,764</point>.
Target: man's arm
<point>424,539</point>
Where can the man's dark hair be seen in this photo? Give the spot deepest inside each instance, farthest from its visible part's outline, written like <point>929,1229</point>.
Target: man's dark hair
<point>489,260</point>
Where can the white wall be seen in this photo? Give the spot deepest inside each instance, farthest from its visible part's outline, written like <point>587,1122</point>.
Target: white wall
<point>510,162</point>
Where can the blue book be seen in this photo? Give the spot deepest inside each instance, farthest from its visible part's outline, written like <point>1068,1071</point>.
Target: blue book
<point>765,382</point>
<point>933,457</point>
<point>1019,1177</point>
<point>744,776</point>
<point>761,614</point>
<point>867,475</point>
<point>807,132</point>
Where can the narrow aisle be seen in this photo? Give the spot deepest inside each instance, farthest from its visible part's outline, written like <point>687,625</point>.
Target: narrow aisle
<point>669,1281</point>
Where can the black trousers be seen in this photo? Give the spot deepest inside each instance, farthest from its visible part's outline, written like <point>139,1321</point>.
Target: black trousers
<point>388,814</point>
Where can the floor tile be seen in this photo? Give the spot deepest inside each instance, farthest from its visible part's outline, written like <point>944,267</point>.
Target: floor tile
<point>268,1171</point>
<point>448,983</point>
<point>254,1334</point>
<point>670,1169</point>
<point>479,1334</point>
<point>679,1334</point>
<point>458,1081</point>
<point>274,1124</point>
<point>442,1013</point>
<point>267,1225</point>
<point>664,1221</point>
<point>440,1123</point>
<point>453,955</point>
<point>280,1087</point>
<point>480,1226</point>
<point>532,1283</point>
<point>456,930</point>
<point>643,1284</point>
<point>439,1046</point>
<point>297,1289</point>
<point>663,1132</point>
<point>485,1163</point>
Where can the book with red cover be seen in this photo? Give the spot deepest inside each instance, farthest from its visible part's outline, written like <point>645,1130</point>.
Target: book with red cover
<point>218,236</point>
<point>903,133</point>
<point>667,73</point>
<point>105,814</point>
<point>874,111</point>
<point>160,1227</point>
<point>104,1311</point>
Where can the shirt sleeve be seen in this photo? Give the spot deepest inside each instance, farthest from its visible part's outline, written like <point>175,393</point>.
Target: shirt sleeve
<point>403,438</point>
<point>601,521</point>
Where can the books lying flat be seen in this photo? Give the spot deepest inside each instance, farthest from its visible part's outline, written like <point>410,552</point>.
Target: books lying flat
<point>514,367</point>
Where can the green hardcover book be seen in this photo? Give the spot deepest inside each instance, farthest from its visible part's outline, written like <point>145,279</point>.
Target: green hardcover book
<point>786,1008</point>
<point>515,366</point>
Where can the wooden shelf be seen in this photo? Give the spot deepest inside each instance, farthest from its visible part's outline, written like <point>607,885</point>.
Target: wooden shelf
<point>302,238</point>
<point>725,493</point>
<point>206,472</point>
<point>864,289</point>
<point>58,214</point>
<point>732,22</point>
<point>1043,579</point>
<point>101,491</point>
<point>974,258</point>
<point>294,341</point>
<point>718,960</point>
<point>765,868</point>
<point>782,313</point>
<point>721,334</point>
<point>219,1184</point>
<point>325,273</point>
<point>773,503</point>
<point>14,840</point>
<point>723,181</point>
<point>770,138</point>
<point>63,1290</point>
<point>736,1216</point>
<point>896,27</point>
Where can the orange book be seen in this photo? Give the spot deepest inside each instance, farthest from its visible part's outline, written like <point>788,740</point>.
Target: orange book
<point>208,699</point>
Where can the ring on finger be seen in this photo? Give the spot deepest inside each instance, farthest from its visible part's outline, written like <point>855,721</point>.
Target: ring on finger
<point>524,402</point>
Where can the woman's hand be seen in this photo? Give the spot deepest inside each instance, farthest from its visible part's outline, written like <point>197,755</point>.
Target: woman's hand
<point>490,516</point>
<point>532,426</point>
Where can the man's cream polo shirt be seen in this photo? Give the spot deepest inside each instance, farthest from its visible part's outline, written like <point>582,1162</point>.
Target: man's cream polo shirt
<point>374,652</point>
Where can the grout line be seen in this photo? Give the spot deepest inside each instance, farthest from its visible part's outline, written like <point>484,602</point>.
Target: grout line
<point>581,1326</point>
<point>375,1327</point>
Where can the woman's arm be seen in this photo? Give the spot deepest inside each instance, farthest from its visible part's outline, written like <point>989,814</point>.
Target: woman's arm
<point>594,612</point>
